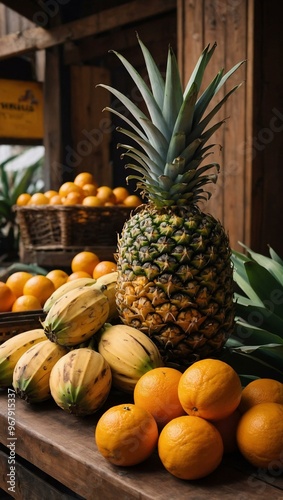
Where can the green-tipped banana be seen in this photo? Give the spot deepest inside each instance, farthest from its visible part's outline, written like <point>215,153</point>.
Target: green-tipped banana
<point>13,349</point>
<point>107,285</point>
<point>66,287</point>
<point>76,316</point>
<point>80,381</point>
<point>32,371</point>
<point>129,352</point>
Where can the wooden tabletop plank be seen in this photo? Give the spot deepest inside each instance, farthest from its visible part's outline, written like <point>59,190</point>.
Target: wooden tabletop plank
<point>63,446</point>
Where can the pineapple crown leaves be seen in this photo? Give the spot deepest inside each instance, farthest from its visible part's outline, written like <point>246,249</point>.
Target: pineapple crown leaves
<point>171,141</point>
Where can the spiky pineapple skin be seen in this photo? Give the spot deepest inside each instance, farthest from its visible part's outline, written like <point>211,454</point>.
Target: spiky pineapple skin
<point>175,281</point>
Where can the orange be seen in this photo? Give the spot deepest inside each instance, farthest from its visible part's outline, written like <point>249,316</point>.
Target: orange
<point>262,390</point>
<point>23,199</point>
<point>157,392</point>
<point>84,178</point>
<point>39,286</point>
<point>38,199</point>
<point>210,389</point>
<point>92,201</point>
<point>126,434</point>
<point>132,201</point>
<point>84,261</point>
<point>121,193</point>
<point>26,303</point>
<point>55,200</point>
<point>260,435</point>
<point>58,277</point>
<point>17,280</point>
<point>105,194</point>
<point>190,447</point>
<point>89,189</point>
<point>228,430</point>
<point>69,187</point>
<point>78,274</point>
<point>7,297</point>
<point>49,194</point>
<point>104,267</point>
<point>73,198</point>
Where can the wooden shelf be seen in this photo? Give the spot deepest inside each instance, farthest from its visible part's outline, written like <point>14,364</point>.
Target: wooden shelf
<point>58,451</point>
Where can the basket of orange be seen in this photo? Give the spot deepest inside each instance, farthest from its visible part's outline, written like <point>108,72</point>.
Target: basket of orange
<point>80,214</point>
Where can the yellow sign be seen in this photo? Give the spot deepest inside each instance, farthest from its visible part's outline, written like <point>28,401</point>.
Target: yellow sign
<point>21,109</point>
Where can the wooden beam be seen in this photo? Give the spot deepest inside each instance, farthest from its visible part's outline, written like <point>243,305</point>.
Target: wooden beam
<point>39,38</point>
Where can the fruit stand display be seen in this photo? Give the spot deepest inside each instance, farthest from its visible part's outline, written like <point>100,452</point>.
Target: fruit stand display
<point>135,383</point>
<point>56,225</point>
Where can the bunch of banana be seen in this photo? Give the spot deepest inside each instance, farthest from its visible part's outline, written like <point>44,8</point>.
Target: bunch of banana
<point>12,349</point>
<point>129,352</point>
<point>80,381</point>
<point>32,371</point>
<point>66,287</point>
<point>76,316</point>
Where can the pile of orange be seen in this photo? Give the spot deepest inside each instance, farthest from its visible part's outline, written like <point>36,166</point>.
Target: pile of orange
<point>200,415</point>
<point>83,190</point>
<point>24,291</point>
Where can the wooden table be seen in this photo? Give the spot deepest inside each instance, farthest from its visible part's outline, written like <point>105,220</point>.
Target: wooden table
<point>57,459</point>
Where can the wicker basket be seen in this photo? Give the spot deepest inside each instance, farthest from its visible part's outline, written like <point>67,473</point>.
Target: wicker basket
<point>13,323</point>
<point>60,227</point>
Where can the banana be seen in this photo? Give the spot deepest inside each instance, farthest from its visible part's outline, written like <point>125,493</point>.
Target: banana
<point>80,381</point>
<point>129,352</point>
<point>76,316</point>
<point>12,349</point>
<point>107,285</point>
<point>32,371</point>
<point>66,287</point>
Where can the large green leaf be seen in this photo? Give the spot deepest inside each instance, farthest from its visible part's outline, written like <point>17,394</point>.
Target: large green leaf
<point>261,317</point>
<point>242,280</point>
<point>266,287</point>
<point>270,353</point>
<point>275,256</point>
<point>252,335</point>
<point>275,268</point>
<point>248,365</point>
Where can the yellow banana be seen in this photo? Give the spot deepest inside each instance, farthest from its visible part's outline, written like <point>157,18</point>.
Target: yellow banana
<point>76,316</point>
<point>80,381</point>
<point>66,287</point>
<point>12,349</point>
<point>107,285</point>
<point>32,371</point>
<point>129,352</point>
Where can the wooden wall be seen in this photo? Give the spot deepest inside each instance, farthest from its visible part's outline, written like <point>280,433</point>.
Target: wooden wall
<point>247,197</point>
<point>226,23</point>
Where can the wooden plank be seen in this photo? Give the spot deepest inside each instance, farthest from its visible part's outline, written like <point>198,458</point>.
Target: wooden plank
<point>249,124</point>
<point>52,121</point>
<point>63,447</point>
<point>90,127</point>
<point>234,160</point>
<point>39,38</point>
<point>157,31</point>
<point>31,483</point>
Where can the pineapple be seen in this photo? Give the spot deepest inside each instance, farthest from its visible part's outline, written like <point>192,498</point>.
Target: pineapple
<point>175,277</point>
